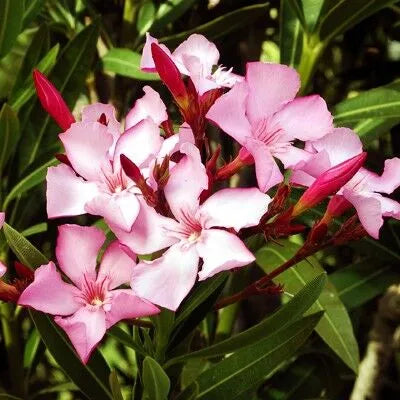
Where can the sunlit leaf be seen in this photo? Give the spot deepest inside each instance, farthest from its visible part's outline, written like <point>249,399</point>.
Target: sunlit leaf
<point>155,381</point>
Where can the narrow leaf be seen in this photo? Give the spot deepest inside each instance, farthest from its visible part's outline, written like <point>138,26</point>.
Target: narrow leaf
<point>126,62</point>
<point>31,10</point>
<point>121,336</point>
<point>115,386</point>
<point>11,14</point>
<point>9,134</point>
<point>155,381</point>
<point>335,326</point>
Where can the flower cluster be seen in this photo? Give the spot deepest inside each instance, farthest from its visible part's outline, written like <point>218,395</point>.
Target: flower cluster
<point>165,193</point>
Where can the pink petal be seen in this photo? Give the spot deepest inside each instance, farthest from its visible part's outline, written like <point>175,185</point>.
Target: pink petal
<point>149,106</point>
<point>389,207</point>
<point>93,112</point>
<point>167,280</point>
<point>139,143</point>
<point>148,233</point>
<point>221,251</point>
<point>225,208</point>
<point>318,164</point>
<point>67,193</point>
<point>50,294</point>
<point>389,180</point>
<point>196,46</point>
<point>305,118</point>
<point>369,211</point>
<point>117,265</point>
<point>2,218</point>
<point>293,157</point>
<point>77,249</point>
<point>267,171</point>
<point>340,145</point>
<point>301,178</point>
<point>86,145</point>
<point>147,62</point>
<point>3,269</point>
<point>118,209</point>
<point>125,305</point>
<point>85,329</point>
<point>173,143</point>
<point>186,182</point>
<point>229,113</point>
<point>270,87</point>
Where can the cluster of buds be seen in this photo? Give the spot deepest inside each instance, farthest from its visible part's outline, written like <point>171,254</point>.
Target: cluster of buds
<point>160,192</point>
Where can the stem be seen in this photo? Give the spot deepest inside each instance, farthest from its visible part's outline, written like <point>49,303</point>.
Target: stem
<point>312,50</point>
<point>11,342</point>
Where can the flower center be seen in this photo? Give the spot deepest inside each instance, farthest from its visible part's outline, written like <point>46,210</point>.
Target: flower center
<point>95,293</point>
<point>115,182</point>
<point>193,237</point>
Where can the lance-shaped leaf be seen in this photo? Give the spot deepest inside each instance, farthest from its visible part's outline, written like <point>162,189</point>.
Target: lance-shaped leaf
<point>11,14</point>
<point>335,327</point>
<point>155,381</point>
<point>9,134</point>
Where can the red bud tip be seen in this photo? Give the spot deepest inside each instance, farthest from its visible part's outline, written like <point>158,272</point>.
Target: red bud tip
<point>329,183</point>
<point>52,101</point>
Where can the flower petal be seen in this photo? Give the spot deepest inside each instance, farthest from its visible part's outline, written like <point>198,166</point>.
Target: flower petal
<point>85,329</point>
<point>117,265</point>
<point>267,171</point>
<point>340,145</point>
<point>2,219</point>
<point>368,209</point>
<point>186,182</point>
<point>221,251</point>
<point>67,193</point>
<point>293,157</point>
<point>3,269</point>
<point>305,118</point>
<point>147,62</point>
<point>125,305</point>
<point>167,280</point>
<point>119,209</point>
<point>139,143</point>
<point>229,113</point>
<point>86,145</point>
<point>225,208</point>
<point>390,178</point>
<point>270,87</point>
<point>93,112</point>
<point>77,249</point>
<point>389,207</point>
<point>196,46</point>
<point>149,106</point>
<point>148,233</point>
<point>50,294</point>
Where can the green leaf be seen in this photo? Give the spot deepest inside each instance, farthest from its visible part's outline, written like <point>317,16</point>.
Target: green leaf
<point>11,14</point>
<point>121,336</point>
<point>5,396</point>
<point>31,10</point>
<point>155,381</point>
<point>347,13</point>
<point>45,66</point>
<point>31,348</point>
<point>312,10</point>
<point>335,326</point>
<point>360,282</point>
<point>9,134</point>
<point>145,17</point>
<point>68,76</point>
<point>37,49</point>
<point>291,311</point>
<point>115,386</point>
<point>291,36</point>
<point>242,370</point>
<point>223,25</point>
<point>198,296</point>
<point>23,249</point>
<point>297,8</point>
<point>370,129</point>
<point>381,102</point>
<point>91,378</point>
<point>126,62</point>
<point>35,229</point>
<point>28,182</point>
<point>169,11</point>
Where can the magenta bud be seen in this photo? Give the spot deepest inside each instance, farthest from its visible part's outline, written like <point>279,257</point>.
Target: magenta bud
<point>52,101</point>
<point>170,75</point>
<point>329,183</point>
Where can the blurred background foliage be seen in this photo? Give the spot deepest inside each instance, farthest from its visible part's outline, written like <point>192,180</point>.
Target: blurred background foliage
<point>348,51</point>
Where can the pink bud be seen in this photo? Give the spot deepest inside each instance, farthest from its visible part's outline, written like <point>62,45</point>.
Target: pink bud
<point>337,206</point>
<point>170,75</point>
<point>52,102</point>
<point>329,183</point>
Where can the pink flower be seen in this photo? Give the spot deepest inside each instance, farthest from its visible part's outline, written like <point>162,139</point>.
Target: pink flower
<point>94,181</point>
<point>262,114</point>
<point>206,231</point>
<point>195,57</point>
<point>363,190</point>
<point>2,219</point>
<point>90,305</point>
<point>52,101</point>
